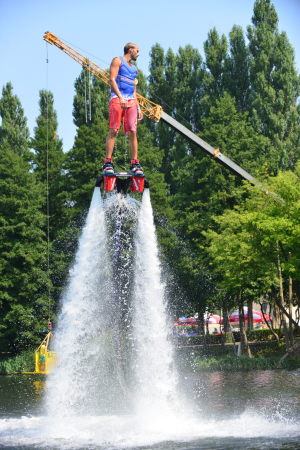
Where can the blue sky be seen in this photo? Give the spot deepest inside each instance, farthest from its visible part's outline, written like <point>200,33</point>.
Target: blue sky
<point>102,28</point>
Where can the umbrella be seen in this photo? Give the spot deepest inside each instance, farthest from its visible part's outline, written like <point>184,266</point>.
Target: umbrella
<point>187,321</point>
<point>257,316</point>
<point>213,319</point>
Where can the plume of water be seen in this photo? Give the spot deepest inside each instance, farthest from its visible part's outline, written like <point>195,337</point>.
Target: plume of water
<point>82,333</point>
<point>155,386</point>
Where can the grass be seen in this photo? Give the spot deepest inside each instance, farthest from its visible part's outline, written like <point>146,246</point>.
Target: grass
<point>16,364</point>
<point>230,363</point>
<point>266,359</point>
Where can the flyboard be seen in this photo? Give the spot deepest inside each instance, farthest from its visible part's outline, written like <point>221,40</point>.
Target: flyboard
<point>121,182</point>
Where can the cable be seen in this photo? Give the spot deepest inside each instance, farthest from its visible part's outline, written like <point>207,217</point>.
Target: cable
<point>48,210</point>
<point>83,50</point>
<point>85,98</point>
<point>90,97</point>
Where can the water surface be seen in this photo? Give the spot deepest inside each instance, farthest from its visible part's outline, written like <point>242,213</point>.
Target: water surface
<point>255,410</point>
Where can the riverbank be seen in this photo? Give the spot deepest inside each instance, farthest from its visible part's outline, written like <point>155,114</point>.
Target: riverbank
<point>266,356</point>
<point>14,365</point>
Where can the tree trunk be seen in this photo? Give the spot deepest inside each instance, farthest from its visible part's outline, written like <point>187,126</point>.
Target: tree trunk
<point>232,335</point>
<point>244,341</point>
<point>270,326</point>
<point>201,330</point>
<point>225,318</point>
<point>276,316</point>
<point>297,290</point>
<point>250,314</point>
<point>286,335</point>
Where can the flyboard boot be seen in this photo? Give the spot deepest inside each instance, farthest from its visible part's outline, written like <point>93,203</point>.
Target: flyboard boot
<point>135,179</point>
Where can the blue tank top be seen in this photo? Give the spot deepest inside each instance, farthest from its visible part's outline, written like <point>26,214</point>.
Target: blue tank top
<point>125,80</point>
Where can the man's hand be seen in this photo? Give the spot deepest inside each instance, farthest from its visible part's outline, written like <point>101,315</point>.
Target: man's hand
<point>139,114</point>
<point>123,102</point>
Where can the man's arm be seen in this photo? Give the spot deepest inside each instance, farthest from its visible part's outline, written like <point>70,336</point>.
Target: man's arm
<point>113,73</point>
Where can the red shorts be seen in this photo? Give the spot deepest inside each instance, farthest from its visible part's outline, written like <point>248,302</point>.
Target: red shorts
<point>129,115</point>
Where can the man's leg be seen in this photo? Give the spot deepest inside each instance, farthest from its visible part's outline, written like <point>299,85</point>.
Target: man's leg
<point>130,126</point>
<point>133,144</point>
<point>115,115</point>
<point>110,142</point>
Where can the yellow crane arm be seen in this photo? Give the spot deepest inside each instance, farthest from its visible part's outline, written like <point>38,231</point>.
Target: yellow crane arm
<point>150,109</point>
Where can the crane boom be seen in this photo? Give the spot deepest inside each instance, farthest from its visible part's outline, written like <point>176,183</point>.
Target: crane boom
<point>150,109</point>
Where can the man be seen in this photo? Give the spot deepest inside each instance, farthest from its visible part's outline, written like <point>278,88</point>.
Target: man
<point>43,351</point>
<point>123,104</point>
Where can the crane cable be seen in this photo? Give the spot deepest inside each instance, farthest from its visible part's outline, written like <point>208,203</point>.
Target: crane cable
<point>48,209</point>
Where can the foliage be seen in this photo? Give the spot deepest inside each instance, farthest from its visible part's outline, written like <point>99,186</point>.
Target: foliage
<point>245,250</point>
<point>91,99</point>
<point>23,285</point>
<point>217,237</point>
<point>17,364</point>
<point>13,129</point>
<point>230,363</point>
<point>48,159</point>
<point>275,86</point>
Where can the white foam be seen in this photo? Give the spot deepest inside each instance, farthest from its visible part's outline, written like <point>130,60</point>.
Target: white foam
<point>128,431</point>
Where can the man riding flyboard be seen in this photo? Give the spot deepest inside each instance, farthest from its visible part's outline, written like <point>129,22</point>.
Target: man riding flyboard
<point>123,104</point>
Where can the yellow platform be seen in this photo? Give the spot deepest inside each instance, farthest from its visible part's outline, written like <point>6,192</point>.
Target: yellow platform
<point>50,357</point>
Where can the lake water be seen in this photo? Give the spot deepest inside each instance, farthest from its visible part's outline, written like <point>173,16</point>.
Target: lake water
<point>256,410</point>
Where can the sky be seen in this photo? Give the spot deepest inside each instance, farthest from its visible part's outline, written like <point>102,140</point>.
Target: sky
<point>102,28</point>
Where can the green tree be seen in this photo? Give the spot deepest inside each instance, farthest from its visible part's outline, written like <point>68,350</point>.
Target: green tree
<point>237,69</point>
<point>175,82</point>
<point>274,87</point>
<point>23,280</point>
<point>83,166</point>
<point>206,189</point>
<point>253,238</point>
<point>91,99</point>
<point>48,160</point>
<point>215,49</point>
<point>13,129</point>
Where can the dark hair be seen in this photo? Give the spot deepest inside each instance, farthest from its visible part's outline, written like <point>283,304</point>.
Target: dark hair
<point>128,47</point>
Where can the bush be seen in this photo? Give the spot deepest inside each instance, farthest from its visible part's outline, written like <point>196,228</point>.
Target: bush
<point>199,340</point>
<point>230,363</point>
<point>25,362</point>
<point>262,335</point>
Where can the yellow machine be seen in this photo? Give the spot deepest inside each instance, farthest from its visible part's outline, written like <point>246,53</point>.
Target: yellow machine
<point>50,357</point>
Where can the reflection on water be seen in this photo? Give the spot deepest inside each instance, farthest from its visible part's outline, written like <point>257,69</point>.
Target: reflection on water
<point>253,410</point>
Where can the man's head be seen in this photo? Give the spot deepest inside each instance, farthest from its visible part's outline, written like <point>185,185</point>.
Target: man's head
<point>132,50</point>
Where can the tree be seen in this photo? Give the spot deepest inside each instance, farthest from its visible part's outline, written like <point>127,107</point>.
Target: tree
<point>237,69</point>
<point>215,49</point>
<point>206,189</point>
<point>91,99</point>
<point>23,269</point>
<point>175,82</point>
<point>274,87</point>
<point>255,247</point>
<point>13,130</point>
<point>48,160</point>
